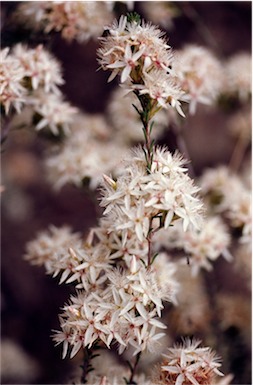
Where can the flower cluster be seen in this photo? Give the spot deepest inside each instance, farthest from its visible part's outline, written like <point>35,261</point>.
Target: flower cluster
<point>124,311</point>
<point>199,74</point>
<point>139,53</point>
<point>78,20</point>
<point>32,76</point>
<point>188,363</point>
<point>12,92</point>
<point>139,201</point>
<point>227,194</point>
<point>150,203</point>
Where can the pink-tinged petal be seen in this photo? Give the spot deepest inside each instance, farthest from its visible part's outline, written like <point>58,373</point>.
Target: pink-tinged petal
<point>65,275</point>
<point>171,369</point>
<point>142,311</point>
<point>93,274</point>
<point>65,349</point>
<point>139,231</point>
<point>180,379</point>
<point>76,348</point>
<point>133,265</point>
<point>119,339</point>
<point>128,307</point>
<point>158,336</point>
<point>87,311</point>
<point>192,379</point>
<point>125,73</point>
<point>112,76</point>
<point>138,54</point>
<point>157,323</point>
<point>128,52</point>
<point>116,64</point>
<point>88,335</point>
<point>168,219</point>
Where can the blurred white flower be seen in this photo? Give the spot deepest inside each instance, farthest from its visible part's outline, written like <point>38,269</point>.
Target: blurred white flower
<point>199,74</point>
<point>238,76</point>
<point>42,69</point>
<point>80,20</point>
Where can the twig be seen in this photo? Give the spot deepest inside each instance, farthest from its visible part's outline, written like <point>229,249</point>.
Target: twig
<point>133,370</point>
<point>237,154</point>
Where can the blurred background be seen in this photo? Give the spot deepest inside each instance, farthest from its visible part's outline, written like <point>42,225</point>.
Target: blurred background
<point>30,299</point>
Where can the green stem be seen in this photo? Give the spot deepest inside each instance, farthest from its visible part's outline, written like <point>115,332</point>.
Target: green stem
<point>148,145</point>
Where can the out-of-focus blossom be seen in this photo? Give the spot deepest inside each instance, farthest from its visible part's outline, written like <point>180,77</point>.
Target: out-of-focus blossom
<point>40,68</point>
<point>80,20</point>
<point>239,125</point>
<point>26,369</point>
<point>238,76</point>
<point>199,74</point>
<point>30,77</point>
<point>53,112</point>
<point>226,193</point>
<point>160,12</point>
<point>192,315</point>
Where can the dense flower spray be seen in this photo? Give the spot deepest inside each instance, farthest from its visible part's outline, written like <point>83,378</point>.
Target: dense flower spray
<point>121,274</point>
<point>31,77</point>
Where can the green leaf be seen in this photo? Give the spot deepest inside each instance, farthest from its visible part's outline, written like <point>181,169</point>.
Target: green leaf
<point>133,17</point>
<point>154,257</point>
<point>139,112</point>
<point>151,126</point>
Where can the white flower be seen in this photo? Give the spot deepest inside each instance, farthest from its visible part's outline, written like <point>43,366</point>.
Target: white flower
<point>189,364</point>
<point>128,62</point>
<point>159,86</point>
<point>139,53</point>
<point>140,200</point>
<point>12,91</point>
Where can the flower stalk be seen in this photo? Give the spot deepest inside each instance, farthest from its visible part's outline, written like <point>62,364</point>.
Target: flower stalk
<point>133,370</point>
